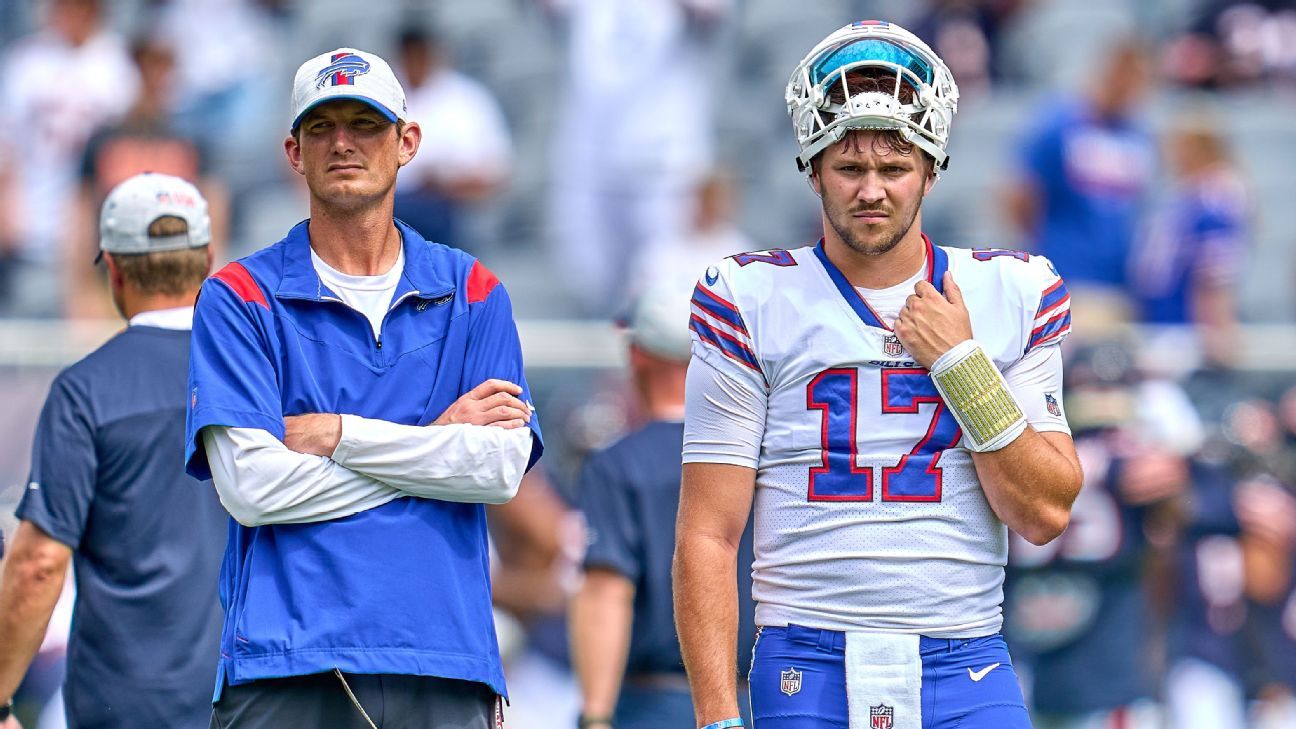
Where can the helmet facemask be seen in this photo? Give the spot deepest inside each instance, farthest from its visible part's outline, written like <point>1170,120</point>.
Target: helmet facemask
<point>872,75</point>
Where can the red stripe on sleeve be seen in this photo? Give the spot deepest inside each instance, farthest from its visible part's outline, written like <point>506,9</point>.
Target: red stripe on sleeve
<point>480,283</point>
<point>241,282</point>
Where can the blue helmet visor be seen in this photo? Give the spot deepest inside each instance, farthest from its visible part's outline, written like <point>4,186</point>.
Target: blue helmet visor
<point>870,50</point>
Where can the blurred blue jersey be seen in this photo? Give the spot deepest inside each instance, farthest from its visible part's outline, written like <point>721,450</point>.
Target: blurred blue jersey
<point>1090,176</point>
<point>1197,239</point>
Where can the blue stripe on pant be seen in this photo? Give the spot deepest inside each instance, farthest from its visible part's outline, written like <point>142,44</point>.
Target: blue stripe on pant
<point>957,690</point>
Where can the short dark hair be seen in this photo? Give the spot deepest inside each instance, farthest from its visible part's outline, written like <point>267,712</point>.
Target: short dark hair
<point>168,273</point>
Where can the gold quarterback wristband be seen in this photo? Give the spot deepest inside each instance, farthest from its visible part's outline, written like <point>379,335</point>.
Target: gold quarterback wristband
<point>978,396</point>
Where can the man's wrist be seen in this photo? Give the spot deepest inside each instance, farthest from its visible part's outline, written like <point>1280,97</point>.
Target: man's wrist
<point>725,723</point>
<point>588,721</point>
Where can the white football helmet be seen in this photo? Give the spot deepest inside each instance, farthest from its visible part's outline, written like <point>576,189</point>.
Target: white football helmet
<point>877,45</point>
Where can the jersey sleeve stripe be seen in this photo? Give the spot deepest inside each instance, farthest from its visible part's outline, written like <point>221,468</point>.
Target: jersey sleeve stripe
<point>726,344</point>
<point>1052,329</point>
<point>718,307</point>
<point>1045,311</point>
<point>1051,297</point>
<point>235,276</point>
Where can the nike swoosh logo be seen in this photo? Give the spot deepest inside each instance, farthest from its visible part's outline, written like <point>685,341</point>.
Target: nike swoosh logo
<point>978,675</point>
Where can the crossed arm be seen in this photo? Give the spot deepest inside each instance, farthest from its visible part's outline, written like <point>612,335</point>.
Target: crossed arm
<point>330,466</point>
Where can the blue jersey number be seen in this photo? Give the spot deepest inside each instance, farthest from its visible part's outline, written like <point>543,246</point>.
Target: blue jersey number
<point>917,477</point>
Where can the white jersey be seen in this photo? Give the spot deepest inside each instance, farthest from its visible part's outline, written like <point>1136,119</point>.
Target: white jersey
<point>868,514</point>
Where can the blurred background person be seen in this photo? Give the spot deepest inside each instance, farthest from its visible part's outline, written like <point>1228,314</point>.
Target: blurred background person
<point>1187,268</point>
<point>1235,43</point>
<point>145,140</point>
<point>61,83</point>
<point>1086,167</point>
<point>711,234</point>
<point>106,495</point>
<point>634,134</point>
<point>1080,606</point>
<point>466,152</point>
<point>624,646</point>
<point>536,541</point>
<point>1266,509</point>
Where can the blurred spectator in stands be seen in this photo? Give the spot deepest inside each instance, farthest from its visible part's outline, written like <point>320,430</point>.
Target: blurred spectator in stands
<point>1234,43</point>
<point>1084,171</point>
<point>634,137</point>
<point>537,539</point>
<point>145,140</point>
<point>710,235</point>
<point>1079,606</point>
<point>966,34</point>
<point>227,55</point>
<point>466,152</point>
<point>61,82</point>
<point>1266,510</point>
<point>1186,269</point>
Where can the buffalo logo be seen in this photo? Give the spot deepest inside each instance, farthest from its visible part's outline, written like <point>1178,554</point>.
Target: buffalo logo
<point>1052,404</point>
<point>891,346</point>
<point>790,681</point>
<point>881,717</point>
<point>712,275</point>
<point>342,71</point>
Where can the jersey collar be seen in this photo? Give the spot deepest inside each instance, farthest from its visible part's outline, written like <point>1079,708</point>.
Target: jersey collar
<point>937,264</point>
<point>422,276</point>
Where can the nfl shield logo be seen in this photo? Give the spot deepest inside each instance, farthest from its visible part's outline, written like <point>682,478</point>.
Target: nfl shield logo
<point>881,716</point>
<point>891,345</point>
<point>791,681</point>
<point>1051,402</point>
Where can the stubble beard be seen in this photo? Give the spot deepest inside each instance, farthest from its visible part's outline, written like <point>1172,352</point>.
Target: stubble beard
<point>840,223</point>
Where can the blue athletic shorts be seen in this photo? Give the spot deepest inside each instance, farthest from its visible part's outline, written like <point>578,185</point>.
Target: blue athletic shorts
<point>962,687</point>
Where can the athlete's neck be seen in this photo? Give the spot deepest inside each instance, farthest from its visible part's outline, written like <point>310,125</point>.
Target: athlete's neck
<point>879,271</point>
<point>358,243</point>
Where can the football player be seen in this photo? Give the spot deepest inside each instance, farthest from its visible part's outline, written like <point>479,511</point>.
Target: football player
<point>890,407</point>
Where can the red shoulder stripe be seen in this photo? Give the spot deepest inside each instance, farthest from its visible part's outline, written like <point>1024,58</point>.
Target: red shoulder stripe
<point>480,283</point>
<point>241,282</point>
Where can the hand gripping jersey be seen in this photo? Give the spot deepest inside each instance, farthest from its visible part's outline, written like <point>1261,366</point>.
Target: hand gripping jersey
<point>868,515</point>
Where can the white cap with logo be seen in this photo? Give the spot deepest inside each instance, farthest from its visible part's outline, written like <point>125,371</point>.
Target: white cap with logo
<point>347,73</point>
<point>659,318</point>
<point>133,205</point>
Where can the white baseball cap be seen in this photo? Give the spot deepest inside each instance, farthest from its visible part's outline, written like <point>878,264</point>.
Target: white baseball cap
<point>347,73</point>
<point>133,205</point>
<point>659,318</point>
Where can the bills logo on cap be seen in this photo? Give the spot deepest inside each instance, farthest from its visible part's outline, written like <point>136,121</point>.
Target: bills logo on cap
<point>790,681</point>
<point>881,717</point>
<point>342,70</point>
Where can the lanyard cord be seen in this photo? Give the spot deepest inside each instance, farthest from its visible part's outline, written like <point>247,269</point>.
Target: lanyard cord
<point>354,700</point>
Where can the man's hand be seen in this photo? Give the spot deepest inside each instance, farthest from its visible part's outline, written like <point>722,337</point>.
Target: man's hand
<point>930,325</point>
<point>493,402</point>
<point>316,434</point>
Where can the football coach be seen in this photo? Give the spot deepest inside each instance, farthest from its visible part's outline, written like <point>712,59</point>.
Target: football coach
<point>357,395</point>
<point>108,491</point>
